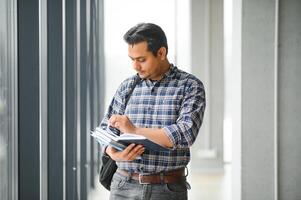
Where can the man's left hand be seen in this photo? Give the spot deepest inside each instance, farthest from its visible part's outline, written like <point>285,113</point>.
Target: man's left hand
<point>122,123</point>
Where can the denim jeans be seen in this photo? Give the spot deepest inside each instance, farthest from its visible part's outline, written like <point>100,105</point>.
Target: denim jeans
<point>124,188</point>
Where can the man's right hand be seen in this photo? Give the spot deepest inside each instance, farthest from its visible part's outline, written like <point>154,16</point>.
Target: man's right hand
<point>128,154</point>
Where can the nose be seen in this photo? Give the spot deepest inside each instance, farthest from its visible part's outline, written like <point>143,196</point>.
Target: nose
<point>136,65</point>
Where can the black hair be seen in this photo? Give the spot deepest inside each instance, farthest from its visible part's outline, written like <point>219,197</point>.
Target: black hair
<point>148,32</point>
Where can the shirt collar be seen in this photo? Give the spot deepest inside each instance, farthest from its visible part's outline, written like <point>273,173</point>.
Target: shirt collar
<point>171,72</point>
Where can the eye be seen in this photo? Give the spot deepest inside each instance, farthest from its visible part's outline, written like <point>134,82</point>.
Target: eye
<point>141,60</point>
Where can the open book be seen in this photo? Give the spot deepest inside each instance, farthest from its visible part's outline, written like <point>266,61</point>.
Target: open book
<point>107,137</point>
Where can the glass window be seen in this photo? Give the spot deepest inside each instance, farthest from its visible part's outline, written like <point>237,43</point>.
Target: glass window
<point>4,103</point>
<point>8,172</point>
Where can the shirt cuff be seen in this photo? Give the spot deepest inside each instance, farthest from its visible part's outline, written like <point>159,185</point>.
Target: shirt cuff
<point>172,133</point>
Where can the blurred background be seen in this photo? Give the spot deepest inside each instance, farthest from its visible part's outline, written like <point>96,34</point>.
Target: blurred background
<point>61,62</point>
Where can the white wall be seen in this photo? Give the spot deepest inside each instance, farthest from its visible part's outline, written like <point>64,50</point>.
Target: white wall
<point>120,16</point>
<point>267,122</point>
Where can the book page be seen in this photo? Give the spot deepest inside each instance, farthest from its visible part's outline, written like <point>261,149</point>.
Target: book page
<point>131,136</point>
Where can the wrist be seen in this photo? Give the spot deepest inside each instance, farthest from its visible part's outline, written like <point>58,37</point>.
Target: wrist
<point>136,130</point>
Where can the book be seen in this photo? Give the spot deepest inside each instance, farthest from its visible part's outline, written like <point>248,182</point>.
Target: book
<point>107,137</point>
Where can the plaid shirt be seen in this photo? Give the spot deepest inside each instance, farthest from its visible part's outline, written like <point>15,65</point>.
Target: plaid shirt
<point>175,103</point>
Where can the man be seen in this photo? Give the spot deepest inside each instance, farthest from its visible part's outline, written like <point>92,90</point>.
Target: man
<point>162,103</point>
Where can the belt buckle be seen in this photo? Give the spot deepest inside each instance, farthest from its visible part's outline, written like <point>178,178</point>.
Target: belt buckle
<point>140,180</point>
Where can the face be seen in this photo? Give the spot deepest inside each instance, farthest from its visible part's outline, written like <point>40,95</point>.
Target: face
<point>144,62</point>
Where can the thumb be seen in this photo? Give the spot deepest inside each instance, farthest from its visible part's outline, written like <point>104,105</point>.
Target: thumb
<point>111,149</point>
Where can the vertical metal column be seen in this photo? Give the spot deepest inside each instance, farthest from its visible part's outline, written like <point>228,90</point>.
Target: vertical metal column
<point>96,80</point>
<point>64,98</point>
<point>56,166</point>
<point>84,132</point>
<point>77,94</point>
<point>71,100</point>
<point>29,99</point>
<point>43,101</point>
<point>12,64</point>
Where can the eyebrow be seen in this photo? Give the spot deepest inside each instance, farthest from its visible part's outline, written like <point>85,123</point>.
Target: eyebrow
<point>137,57</point>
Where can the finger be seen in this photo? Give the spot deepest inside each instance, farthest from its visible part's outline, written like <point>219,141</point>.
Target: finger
<point>135,152</point>
<point>128,155</point>
<point>110,149</point>
<point>137,148</point>
<point>111,152</point>
<point>141,151</point>
<point>134,156</point>
<point>113,123</point>
<point>128,149</point>
<point>138,154</point>
<point>132,153</point>
<point>112,119</point>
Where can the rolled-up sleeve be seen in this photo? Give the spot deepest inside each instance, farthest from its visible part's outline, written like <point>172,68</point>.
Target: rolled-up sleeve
<point>184,132</point>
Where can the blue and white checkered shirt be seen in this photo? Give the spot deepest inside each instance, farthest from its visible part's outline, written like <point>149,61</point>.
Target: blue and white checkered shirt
<point>175,103</point>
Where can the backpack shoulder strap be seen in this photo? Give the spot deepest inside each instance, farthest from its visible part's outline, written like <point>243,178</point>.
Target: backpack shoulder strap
<point>132,87</point>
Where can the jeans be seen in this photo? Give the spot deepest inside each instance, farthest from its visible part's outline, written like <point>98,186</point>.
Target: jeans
<point>124,188</point>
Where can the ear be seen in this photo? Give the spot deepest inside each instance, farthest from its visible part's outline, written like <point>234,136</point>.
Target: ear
<point>162,53</point>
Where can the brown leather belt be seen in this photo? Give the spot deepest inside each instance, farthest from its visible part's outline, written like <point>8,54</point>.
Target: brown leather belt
<point>173,176</point>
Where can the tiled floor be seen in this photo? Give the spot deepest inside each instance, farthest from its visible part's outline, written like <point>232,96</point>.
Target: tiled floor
<point>204,186</point>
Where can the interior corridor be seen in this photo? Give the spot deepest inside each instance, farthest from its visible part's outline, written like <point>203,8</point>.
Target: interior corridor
<point>61,62</point>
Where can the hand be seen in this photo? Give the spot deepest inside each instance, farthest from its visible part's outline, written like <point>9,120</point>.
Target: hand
<point>122,123</point>
<point>128,154</point>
